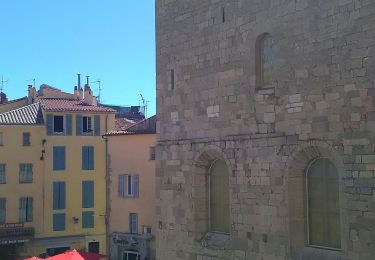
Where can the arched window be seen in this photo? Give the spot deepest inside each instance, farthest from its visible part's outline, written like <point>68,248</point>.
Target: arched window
<point>323,204</point>
<point>219,197</point>
<point>264,60</point>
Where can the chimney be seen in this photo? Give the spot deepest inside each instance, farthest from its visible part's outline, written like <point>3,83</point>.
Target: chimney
<point>79,81</point>
<point>76,93</point>
<point>3,98</point>
<point>88,95</point>
<point>31,94</point>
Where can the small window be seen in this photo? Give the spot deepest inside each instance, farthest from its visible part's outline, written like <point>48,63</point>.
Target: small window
<point>59,195</point>
<point>2,174</point>
<point>26,209</point>
<point>87,125</point>
<point>26,139</point>
<point>133,223</point>
<point>128,185</point>
<point>87,219</point>
<point>264,60</point>
<point>93,247</point>
<point>26,173</point>
<point>59,222</point>
<point>2,210</point>
<point>1,139</point>
<point>152,153</point>
<point>59,158</point>
<point>58,124</point>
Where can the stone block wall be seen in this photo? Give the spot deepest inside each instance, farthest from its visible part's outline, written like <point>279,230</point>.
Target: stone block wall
<point>209,105</point>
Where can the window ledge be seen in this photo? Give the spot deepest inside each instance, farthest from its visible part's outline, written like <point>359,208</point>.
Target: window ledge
<point>214,240</point>
<point>314,253</point>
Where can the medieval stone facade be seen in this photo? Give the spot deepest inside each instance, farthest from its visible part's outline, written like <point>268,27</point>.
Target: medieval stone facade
<point>275,89</point>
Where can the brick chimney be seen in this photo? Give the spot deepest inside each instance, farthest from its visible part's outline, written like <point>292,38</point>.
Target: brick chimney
<point>31,94</point>
<point>76,93</point>
<point>88,95</point>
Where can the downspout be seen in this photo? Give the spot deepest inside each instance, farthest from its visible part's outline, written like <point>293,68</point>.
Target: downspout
<point>107,191</point>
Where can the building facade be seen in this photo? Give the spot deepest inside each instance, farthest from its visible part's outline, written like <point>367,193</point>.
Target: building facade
<point>54,173</point>
<point>131,156</point>
<point>265,142</point>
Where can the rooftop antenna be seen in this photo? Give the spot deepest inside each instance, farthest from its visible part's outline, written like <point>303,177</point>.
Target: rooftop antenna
<point>33,80</point>
<point>144,102</point>
<point>2,83</point>
<point>99,89</point>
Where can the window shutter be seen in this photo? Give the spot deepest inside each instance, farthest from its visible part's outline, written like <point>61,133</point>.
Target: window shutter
<point>49,124</point>
<point>96,125</point>
<point>87,219</point>
<point>78,125</point>
<point>68,124</point>
<point>29,212</point>
<point>22,210</point>
<point>59,222</point>
<point>91,193</point>
<point>130,223</point>
<point>62,195</point>
<point>136,185</point>
<point>133,223</point>
<point>2,210</point>
<point>84,194</point>
<point>87,194</point>
<point>91,157</point>
<point>55,195</point>
<point>122,185</point>
<point>84,158</point>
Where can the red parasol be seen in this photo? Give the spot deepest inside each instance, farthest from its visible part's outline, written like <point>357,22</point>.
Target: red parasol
<point>33,258</point>
<point>77,255</point>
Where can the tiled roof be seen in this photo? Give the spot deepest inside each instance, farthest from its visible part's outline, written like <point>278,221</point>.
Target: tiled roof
<point>146,126</point>
<point>53,104</point>
<point>27,115</point>
<point>124,123</point>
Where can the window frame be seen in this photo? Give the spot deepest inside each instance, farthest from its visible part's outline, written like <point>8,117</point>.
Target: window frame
<point>28,180</point>
<point>308,207</point>
<point>131,223</point>
<point>27,210</point>
<point>63,125</point>
<point>89,124</point>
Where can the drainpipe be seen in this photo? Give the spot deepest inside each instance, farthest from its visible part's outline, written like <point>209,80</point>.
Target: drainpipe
<point>107,192</point>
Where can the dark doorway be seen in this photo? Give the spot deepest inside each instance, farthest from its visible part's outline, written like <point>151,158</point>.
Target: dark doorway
<point>9,252</point>
<point>94,247</point>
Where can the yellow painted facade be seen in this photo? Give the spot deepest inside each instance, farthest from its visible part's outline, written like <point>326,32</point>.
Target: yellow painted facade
<point>12,153</point>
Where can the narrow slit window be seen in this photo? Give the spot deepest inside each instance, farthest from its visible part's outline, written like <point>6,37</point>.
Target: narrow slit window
<point>223,14</point>
<point>172,78</point>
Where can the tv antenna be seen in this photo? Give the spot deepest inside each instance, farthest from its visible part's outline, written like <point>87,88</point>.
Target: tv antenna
<point>33,80</point>
<point>99,88</point>
<point>144,103</point>
<point>2,83</point>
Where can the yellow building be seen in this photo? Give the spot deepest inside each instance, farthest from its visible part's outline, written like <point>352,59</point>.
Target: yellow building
<point>53,173</point>
<point>131,155</point>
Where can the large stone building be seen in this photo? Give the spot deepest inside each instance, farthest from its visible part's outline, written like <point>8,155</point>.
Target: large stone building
<point>266,129</point>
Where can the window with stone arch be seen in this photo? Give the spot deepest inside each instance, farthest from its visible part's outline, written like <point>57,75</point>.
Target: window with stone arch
<point>264,59</point>
<point>323,210</point>
<point>219,208</point>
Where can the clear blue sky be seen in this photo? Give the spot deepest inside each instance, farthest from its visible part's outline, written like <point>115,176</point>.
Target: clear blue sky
<point>52,41</point>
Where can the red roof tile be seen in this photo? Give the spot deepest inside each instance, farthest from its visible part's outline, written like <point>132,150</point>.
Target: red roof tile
<point>52,104</point>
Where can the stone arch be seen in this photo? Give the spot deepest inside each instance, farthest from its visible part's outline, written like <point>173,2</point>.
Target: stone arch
<point>298,163</point>
<point>201,167</point>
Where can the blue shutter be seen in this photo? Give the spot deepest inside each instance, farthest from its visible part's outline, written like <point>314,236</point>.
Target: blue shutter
<point>87,219</point>
<point>96,125</point>
<point>29,212</point>
<point>58,158</point>
<point>91,194</point>
<point>22,212</point>
<point>91,157</point>
<point>68,124</point>
<point>133,223</point>
<point>2,210</point>
<point>59,222</point>
<point>84,158</point>
<point>136,185</point>
<point>122,185</point>
<point>87,194</point>
<point>49,124</point>
<point>56,194</point>
<point>62,195</point>
<point>78,124</point>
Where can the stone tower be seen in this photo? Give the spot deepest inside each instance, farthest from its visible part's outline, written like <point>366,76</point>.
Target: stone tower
<point>266,129</point>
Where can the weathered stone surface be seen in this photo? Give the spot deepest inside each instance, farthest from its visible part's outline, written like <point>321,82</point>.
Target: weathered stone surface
<point>319,104</point>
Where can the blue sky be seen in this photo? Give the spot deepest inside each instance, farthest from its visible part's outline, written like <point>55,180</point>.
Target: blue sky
<point>52,41</point>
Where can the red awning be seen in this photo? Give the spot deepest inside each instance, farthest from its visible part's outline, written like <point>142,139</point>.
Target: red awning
<point>77,255</point>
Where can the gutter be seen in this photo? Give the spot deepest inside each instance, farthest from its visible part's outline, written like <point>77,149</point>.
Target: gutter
<point>107,191</point>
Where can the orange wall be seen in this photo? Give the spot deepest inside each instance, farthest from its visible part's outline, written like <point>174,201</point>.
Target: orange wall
<point>129,154</point>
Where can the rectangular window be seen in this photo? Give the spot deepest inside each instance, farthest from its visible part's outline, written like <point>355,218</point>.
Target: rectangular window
<point>87,194</point>
<point>59,195</point>
<point>26,139</point>
<point>86,124</point>
<point>26,209</point>
<point>87,219</point>
<point>59,222</point>
<point>59,158</point>
<point>2,210</point>
<point>26,173</point>
<point>58,124</point>
<point>87,157</point>
<point>128,185</point>
<point>152,153</point>
<point>1,139</point>
<point>172,78</point>
<point>2,174</point>
<point>133,223</point>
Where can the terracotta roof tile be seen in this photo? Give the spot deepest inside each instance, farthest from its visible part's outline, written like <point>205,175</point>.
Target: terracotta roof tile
<point>53,104</point>
<point>27,115</point>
